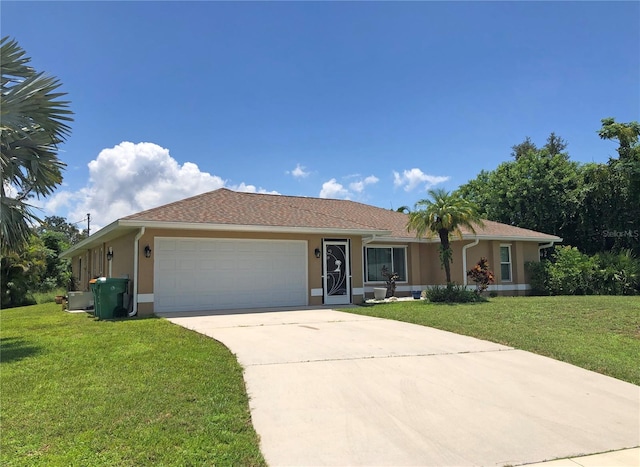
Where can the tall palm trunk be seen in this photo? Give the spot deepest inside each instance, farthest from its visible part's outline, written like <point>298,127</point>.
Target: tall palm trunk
<point>445,253</point>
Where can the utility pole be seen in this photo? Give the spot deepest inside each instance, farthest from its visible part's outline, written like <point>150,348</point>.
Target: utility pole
<point>88,224</point>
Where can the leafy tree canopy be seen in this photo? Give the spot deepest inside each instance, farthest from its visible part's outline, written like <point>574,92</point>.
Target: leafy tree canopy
<point>595,207</point>
<point>534,191</point>
<point>626,134</point>
<point>33,124</point>
<point>71,233</point>
<point>443,215</point>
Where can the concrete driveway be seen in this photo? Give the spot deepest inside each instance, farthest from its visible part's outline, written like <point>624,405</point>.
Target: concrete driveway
<point>333,388</point>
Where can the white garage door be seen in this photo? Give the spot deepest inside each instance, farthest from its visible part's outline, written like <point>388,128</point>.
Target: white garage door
<point>218,274</point>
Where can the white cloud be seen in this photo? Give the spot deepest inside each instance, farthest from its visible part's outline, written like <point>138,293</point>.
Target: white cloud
<point>129,178</point>
<point>333,189</point>
<point>412,178</point>
<point>58,200</point>
<point>359,186</point>
<point>299,172</point>
<point>251,189</point>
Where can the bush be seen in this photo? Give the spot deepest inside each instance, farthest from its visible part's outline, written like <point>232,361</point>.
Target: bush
<point>481,275</point>
<point>452,293</point>
<point>617,274</point>
<point>570,272</point>
<point>538,276</point>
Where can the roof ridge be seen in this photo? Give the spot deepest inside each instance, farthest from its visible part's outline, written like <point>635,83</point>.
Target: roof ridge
<point>301,197</point>
<point>370,226</point>
<point>162,206</point>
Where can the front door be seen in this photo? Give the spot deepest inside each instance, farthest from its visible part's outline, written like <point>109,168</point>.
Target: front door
<point>337,275</point>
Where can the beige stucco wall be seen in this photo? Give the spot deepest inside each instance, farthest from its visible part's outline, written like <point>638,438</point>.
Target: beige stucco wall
<point>314,241</point>
<point>94,261</point>
<point>425,270</point>
<point>423,263</point>
<point>87,265</point>
<point>80,270</point>
<point>122,262</point>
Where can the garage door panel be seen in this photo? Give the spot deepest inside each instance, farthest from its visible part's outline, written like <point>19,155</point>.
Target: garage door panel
<point>217,274</point>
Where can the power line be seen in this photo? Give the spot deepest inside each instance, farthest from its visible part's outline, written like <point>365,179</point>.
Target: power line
<point>88,219</point>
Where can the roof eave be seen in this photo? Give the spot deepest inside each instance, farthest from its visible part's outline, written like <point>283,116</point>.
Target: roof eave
<point>514,238</point>
<point>505,238</point>
<point>91,240</point>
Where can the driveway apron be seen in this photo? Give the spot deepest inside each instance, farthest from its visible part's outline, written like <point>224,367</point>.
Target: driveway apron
<point>336,389</point>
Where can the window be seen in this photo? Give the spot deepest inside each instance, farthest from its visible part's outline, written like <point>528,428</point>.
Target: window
<point>395,259</point>
<point>505,263</point>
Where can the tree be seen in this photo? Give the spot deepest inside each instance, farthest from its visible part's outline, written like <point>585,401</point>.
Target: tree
<point>555,144</point>
<point>610,194</point>
<point>32,127</point>
<point>626,134</point>
<point>539,190</point>
<point>595,207</point>
<point>22,273</point>
<point>523,148</point>
<point>59,224</point>
<point>626,171</point>
<point>58,271</point>
<point>443,215</point>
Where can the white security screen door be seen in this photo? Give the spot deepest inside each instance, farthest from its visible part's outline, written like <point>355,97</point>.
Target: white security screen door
<point>337,275</point>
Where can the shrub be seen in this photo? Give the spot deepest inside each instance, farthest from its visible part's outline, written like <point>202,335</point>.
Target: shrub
<point>452,293</point>
<point>571,272</point>
<point>481,275</point>
<point>538,276</point>
<point>617,273</point>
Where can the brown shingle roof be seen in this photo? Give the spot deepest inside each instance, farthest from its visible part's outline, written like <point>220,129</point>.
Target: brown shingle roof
<point>227,207</point>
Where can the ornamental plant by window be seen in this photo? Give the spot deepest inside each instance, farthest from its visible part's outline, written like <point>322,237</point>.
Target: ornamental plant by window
<point>390,278</point>
<point>481,275</point>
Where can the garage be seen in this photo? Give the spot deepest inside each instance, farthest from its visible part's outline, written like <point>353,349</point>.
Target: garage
<point>201,274</point>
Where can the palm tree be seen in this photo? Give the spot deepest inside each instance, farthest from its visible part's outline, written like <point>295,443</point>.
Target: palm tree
<point>32,125</point>
<point>443,215</point>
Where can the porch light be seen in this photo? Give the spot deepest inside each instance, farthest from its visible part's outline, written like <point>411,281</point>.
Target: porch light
<point>147,251</point>
<point>110,254</point>
<point>317,252</point>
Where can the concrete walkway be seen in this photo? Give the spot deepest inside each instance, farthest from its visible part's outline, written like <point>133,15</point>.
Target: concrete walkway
<point>332,388</point>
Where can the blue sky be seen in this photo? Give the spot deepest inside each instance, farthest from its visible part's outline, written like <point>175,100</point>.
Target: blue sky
<point>371,101</point>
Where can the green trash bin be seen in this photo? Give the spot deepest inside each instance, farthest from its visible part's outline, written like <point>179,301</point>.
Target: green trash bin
<point>108,297</point>
<point>95,288</point>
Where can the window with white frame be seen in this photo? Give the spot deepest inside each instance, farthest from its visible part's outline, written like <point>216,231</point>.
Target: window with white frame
<point>505,263</point>
<point>394,258</point>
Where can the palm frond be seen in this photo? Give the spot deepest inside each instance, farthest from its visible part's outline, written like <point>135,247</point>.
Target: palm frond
<point>33,122</point>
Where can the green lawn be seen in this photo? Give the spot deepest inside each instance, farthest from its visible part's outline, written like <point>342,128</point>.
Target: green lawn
<point>75,391</point>
<point>600,333</point>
